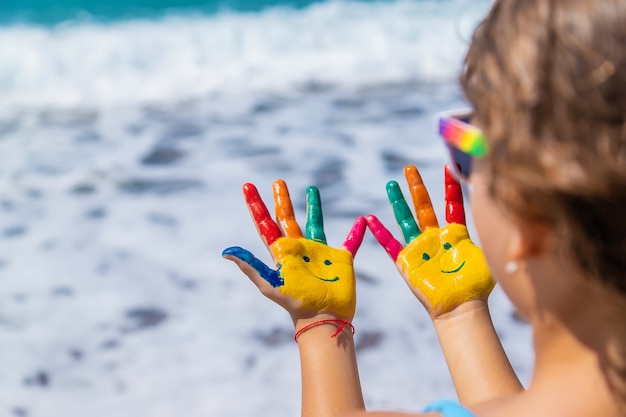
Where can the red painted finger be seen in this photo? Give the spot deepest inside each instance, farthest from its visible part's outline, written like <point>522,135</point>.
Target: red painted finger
<point>355,236</point>
<point>266,226</point>
<point>384,237</point>
<point>285,215</point>
<point>426,217</point>
<point>455,212</point>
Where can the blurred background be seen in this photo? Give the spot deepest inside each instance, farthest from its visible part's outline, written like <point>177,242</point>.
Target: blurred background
<point>127,129</point>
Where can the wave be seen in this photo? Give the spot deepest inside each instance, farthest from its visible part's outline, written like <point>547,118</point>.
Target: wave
<point>50,13</point>
<point>347,44</point>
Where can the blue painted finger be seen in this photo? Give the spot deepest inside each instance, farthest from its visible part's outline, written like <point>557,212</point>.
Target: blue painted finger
<point>268,274</point>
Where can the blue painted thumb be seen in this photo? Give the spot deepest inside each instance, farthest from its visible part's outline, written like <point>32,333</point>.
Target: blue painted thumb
<point>267,273</point>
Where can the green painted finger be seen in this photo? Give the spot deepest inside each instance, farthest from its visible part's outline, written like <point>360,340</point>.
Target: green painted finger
<point>314,218</point>
<point>402,212</point>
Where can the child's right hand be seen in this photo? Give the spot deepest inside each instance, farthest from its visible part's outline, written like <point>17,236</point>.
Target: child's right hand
<point>311,278</point>
<point>442,266</point>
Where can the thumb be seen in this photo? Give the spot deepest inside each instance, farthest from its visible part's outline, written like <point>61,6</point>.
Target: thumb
<point>253,267</point>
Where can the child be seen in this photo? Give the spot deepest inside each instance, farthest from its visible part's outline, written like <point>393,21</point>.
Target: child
<point>544,152</point>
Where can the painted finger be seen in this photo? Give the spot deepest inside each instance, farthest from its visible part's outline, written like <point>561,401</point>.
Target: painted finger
<point>355,236</point>
<point>244,259</point>
<point>455,212</point>
<point>265,225</point>
<point>285,215</point>
<point>314,218</point>
<point>402,212</point>
<point>384,237</point>
<point>424,210</point>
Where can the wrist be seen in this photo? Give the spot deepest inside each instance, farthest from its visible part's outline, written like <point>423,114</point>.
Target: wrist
<point>300,321</point>
<point>465,311</point>
<point>322,326</point>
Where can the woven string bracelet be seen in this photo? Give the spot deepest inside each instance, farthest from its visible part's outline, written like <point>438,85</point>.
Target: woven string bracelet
<point>340,327</point>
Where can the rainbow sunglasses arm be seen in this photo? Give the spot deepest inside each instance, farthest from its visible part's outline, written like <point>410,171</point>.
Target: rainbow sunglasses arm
<point>456,130</point>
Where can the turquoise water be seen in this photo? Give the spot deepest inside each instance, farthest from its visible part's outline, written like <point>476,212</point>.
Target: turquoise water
<point>52,12</point>
<point>145,51</point>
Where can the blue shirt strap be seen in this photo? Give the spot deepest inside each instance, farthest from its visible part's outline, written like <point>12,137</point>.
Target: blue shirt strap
<point>449,408</point>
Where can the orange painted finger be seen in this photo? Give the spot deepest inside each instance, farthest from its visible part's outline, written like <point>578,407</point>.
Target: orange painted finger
<point>285,215</point>
<point>424,210</point>
<point>266,226</point>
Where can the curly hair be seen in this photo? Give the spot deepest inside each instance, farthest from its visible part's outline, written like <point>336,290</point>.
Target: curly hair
<point>547,80</point>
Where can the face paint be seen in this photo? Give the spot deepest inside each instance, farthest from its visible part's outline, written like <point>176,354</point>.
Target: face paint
<point>318,277</point>
<point>445,267</point>
<point>441,265</point>
<point>321,277</point>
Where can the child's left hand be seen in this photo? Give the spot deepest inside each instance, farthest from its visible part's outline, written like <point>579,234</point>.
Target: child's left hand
<point>310,277</point>
<point>441,265</point>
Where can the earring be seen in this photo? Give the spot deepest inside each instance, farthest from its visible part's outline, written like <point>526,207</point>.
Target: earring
<point>511,267</point>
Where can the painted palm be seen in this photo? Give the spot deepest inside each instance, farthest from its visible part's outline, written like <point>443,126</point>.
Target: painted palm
<point>441,265</point>
<point>310,276</point>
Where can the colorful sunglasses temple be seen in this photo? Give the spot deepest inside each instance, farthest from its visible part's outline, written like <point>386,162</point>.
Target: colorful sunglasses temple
<point>463,136</point>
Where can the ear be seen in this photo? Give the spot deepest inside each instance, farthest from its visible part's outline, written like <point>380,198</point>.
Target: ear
<point>528,240</point>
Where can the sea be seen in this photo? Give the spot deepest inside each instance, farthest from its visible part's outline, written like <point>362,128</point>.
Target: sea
<point>127,129</point>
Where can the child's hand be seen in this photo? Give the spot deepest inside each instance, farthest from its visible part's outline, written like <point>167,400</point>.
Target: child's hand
<point>442,266</point>
<point>310,277</point>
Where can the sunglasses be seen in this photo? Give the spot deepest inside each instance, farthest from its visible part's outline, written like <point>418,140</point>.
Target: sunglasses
<point>463,140</point>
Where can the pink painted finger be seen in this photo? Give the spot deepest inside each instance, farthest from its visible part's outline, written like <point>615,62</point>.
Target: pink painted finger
<point>426,217</point>
<point>285,215</point>
<point>355,236</point>
<point>266,226</point>
<point>455,212</point>
<point>384,237</point>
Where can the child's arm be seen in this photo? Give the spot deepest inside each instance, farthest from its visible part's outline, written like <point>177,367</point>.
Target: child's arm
<point>330,379</point>
<point>478,365</point>
<point>450,277</point>
<point>315,283</point>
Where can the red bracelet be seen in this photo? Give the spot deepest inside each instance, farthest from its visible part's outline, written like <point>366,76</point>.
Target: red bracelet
<point>340,327</point>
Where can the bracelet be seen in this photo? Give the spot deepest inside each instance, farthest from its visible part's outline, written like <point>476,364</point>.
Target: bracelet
<point>340,327</point>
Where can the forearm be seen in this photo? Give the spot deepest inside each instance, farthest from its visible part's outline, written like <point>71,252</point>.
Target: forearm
<point>478,365</point>
<point>330,378</point>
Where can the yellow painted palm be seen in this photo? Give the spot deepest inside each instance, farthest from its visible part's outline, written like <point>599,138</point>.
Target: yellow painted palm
<point>441,265</point>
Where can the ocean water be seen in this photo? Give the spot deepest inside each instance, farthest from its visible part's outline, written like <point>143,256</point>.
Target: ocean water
<point>126,132</point>
<point>50,13</point>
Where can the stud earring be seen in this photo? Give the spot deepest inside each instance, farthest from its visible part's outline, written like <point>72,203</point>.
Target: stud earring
<point>511,267</point>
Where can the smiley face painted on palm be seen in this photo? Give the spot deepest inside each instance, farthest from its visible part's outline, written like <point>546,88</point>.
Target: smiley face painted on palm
<point>320,278</point>
<point>446,267</point>
<point>442,266</point>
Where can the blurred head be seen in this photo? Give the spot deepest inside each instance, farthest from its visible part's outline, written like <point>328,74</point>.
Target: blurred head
<point>547,80</point>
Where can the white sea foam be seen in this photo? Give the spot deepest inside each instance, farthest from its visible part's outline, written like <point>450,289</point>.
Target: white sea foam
<point>177,57</point>
<point>96,246</point>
